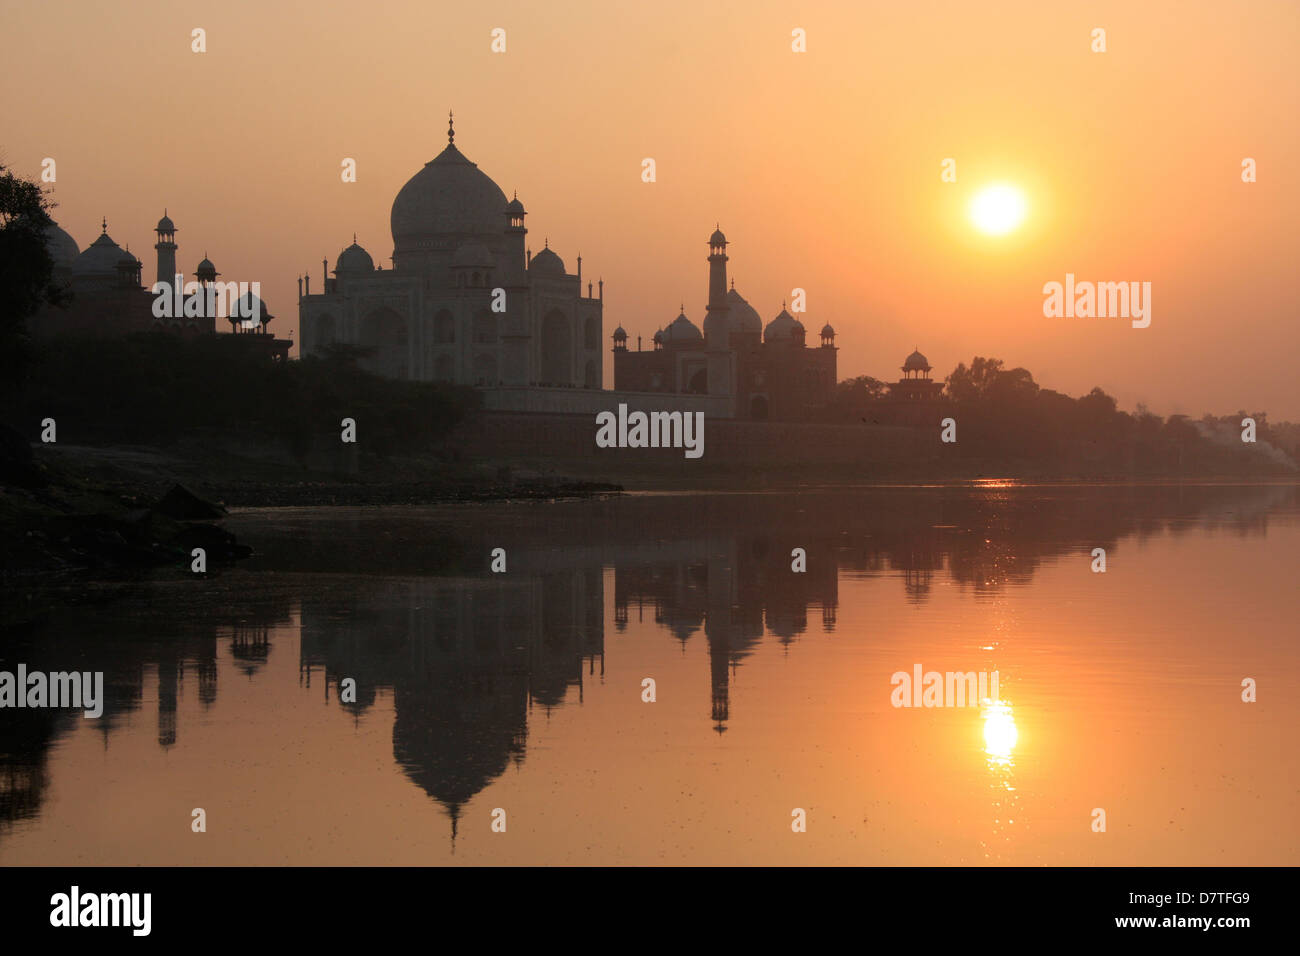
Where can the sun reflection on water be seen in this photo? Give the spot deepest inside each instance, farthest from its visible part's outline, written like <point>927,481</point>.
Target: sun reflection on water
<point>1000,732</point>
<point>1000,737</point>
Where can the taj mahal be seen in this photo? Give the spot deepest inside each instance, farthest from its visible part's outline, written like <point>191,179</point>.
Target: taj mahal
<point>457,240</point>
<point>467,302</point>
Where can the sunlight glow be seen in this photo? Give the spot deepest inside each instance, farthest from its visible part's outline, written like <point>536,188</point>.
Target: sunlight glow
<point>998,209</point>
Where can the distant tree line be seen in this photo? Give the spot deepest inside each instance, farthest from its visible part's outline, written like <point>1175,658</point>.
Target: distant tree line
<point>1003,414</point>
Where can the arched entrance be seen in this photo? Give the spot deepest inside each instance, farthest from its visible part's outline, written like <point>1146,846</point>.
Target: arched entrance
<point>557,349</point>
<point>384,333</point>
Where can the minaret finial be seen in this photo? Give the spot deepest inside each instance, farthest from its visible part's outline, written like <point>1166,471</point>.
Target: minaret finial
<point>451,130</point>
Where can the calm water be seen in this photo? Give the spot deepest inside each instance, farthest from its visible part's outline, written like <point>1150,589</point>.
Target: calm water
<point>523,690</point>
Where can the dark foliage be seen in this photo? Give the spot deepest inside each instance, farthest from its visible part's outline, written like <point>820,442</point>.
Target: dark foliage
<point>156,388</point>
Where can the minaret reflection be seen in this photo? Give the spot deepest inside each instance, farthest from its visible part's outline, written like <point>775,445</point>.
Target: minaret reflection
<point>734,588</point>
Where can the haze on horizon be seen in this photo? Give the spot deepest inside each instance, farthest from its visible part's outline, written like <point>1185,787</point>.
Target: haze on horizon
<point>823,168</point>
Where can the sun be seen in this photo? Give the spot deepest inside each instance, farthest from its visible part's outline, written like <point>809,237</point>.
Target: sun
<point>997,209</point>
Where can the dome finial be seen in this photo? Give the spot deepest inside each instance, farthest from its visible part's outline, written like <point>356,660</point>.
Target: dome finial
<point>104,226</point>
<point>546,243</point>
<point>733,283</point>
<point>451,130</point>
<point>354,238</point>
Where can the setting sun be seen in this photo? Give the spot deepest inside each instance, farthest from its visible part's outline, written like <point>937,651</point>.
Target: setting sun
<point>997,209</point>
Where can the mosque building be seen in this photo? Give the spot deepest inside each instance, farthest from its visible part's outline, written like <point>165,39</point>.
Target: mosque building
<point>105,296</point>
<point>464,301</point>
<point>760,372</point>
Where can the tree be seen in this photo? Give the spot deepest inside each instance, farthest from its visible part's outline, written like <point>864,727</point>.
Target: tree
<point>968,384</point>
<point>26,269</point>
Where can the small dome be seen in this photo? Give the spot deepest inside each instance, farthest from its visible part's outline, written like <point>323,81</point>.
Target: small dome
<point>547,263</point>
<point>658,336</point>
<point>353,260</point>
<point>63,249</point>
<point>916,362</point>
<point>682,331</point>
<point>206,270</point>
<point>781,329</point>
<point>717,239</point>
<point>249,304</point>
<point>515,208</point>
<point>742,316</point>
<point>127,261</point>
<point>100,259</point>
<point>620,335</point>
<point>165,224</point>
<point>827,331</point>
<point>473,255</point>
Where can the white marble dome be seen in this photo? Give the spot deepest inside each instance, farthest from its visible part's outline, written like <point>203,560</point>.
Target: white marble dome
<point>547,263</point>
<point>62,247</point>
<point>449,196</point>
<point>353,260</point>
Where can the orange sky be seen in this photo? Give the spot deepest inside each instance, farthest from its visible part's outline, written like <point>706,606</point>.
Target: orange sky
<point>823,168</point>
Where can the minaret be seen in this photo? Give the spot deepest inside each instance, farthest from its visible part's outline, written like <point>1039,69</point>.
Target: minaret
<point>516,271</point>
<point>716,325</point>
<point>717,277</point>
<point>166,247</point>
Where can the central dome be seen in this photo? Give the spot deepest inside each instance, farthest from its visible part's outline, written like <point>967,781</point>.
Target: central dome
<point>449,196</point>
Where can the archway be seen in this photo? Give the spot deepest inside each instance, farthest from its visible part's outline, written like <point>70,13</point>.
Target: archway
<point>322,332</point>
<point>444,328</point>
<point>384,333</point>
<point>485,370</point>
<point>557,349</point>
<point>699,382</point>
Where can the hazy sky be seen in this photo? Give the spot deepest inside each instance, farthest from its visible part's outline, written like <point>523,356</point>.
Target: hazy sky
<point>823,168</point>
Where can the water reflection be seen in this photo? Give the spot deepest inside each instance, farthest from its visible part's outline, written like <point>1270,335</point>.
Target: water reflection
<point>402,602</point>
